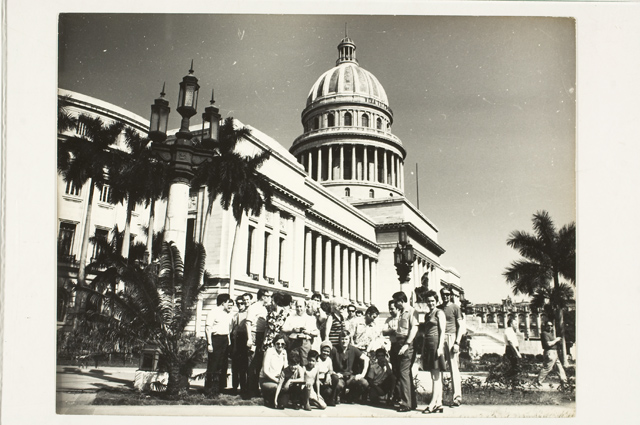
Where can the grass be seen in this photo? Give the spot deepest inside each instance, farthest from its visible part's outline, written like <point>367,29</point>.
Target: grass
<point>128,397</point>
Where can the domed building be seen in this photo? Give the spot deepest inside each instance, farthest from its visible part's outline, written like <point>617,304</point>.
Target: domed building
<point>347,144</point>
<point>338,209</point>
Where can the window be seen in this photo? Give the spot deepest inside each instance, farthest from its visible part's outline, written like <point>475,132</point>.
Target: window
<point>72,189</point>
<point>365,120</point>
<point>347,119</point>
<point>347,192</point>
<point>331,120</point>
<point>65,238</point>
<point>379,124</point>
<point>316,123</point>
<point>105,194</point>
<point>100,242</point>
<point>249,248</point>
<point>371,193</point>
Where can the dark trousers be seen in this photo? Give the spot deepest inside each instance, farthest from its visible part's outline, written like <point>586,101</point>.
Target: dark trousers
<point>254,360</point>
<point>216,378</point>
<point>512,360</point>
<point>404,375</point>
<point>239,362</point>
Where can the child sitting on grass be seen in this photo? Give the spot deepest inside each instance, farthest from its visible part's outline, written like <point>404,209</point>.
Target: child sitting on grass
<point>311,391</point>
<point>290,382</point>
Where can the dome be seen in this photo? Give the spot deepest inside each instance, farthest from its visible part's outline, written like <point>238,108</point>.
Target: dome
<point>347,78</point>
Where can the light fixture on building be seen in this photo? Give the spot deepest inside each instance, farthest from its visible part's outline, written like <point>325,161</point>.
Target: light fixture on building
<point>404,256</point>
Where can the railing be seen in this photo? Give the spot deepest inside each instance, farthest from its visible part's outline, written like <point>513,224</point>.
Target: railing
<point>349,130</point>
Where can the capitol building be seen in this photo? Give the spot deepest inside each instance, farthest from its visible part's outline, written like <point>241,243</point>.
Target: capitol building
<point>337,211</point>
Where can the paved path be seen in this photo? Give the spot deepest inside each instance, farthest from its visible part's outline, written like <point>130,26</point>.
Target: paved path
<point>76,390</point>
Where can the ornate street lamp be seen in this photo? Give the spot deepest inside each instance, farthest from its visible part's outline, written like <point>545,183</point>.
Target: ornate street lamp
<point>182,156</point>
<point>404,256</point>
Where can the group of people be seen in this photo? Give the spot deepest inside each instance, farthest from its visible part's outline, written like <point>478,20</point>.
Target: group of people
<point>319,353</point>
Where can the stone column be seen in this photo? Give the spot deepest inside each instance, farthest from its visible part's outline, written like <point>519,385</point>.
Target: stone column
<point>373,292</point>
<point>393,170</point>
<point>359,279</point>
<point>539,323</point>
<point>504,319</point>
<point>354,175</point>
<point>384,167</point>
<point>344,288</point>
<point>375,164</point>
<point>527,324</point>
<point>319,165</point>
<point>336,270</point>
<point>317,287</point>
<point>365,164</point>
<point>402,175</point>
<point>352,276</point>
<point>367,281</point>
<point>327,288</point>
<point>310,163</point>
<point>341,162</point>
<point>307,259</point>
<point>330,165</point>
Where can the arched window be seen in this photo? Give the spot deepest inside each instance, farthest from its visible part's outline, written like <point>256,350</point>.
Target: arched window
<point>331,120</point>
<point>347,119</point>
<point>347,192</point>
<point>379,124</point>
<point>365,120</point>
<point>370,193</point>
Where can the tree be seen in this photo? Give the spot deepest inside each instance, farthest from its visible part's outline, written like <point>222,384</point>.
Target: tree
<point>88,158</point>
<point>154,308</point>
<point>140,179</point>
<point>549,254</point>
<point>234,178</point>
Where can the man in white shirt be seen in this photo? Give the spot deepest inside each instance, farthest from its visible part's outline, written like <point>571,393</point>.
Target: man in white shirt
<point>217,329</point>
<point>512,353</point>
<point>256,323</point>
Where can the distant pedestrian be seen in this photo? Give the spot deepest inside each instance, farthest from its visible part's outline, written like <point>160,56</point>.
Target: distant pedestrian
<point>550,346</point>
<point>453,335</point>
<point>512,352</point>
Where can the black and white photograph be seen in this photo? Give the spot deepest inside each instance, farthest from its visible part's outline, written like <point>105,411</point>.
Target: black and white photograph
<point>318,214</point>
<point>321,215</point>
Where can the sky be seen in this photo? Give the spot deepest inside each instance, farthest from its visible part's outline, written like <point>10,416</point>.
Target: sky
<point>485,106</point>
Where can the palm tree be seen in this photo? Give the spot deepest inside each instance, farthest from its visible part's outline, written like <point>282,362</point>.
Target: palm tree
<point>154,308</point>
<point>140,179</point>
<point>235,179</point>
<point>88,158</point>
<point>548,254</point>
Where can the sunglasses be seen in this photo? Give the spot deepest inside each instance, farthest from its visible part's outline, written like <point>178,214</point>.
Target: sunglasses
<point>280,344</point>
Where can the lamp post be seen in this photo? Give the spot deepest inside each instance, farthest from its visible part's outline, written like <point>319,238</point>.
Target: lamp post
<point>181,155</point>
<point>404,256</point>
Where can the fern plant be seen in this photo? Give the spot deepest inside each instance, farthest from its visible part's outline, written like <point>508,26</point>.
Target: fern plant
<point>153,306</point>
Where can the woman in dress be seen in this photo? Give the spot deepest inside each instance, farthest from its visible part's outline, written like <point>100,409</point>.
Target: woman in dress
<point>433,350</point>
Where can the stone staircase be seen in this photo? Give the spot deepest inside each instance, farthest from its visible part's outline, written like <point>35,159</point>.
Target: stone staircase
<point>488,338</point>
